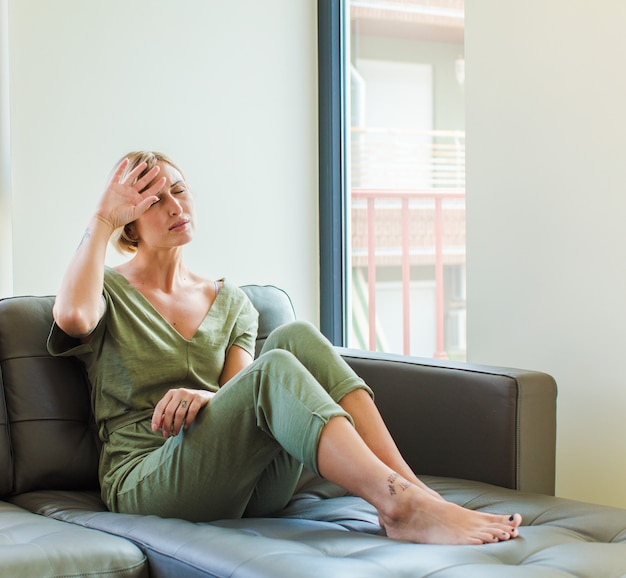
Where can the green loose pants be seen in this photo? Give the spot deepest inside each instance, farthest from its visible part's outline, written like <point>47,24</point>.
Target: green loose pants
<point>244,453</point>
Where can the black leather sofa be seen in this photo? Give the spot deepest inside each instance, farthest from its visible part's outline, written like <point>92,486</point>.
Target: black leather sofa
<point>482,436</point>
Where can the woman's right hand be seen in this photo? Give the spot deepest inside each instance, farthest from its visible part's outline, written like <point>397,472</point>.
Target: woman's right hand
<point>178,409</point>
<point>125,199</point>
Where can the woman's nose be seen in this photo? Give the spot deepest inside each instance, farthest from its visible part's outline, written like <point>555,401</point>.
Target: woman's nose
<point>173,206</point>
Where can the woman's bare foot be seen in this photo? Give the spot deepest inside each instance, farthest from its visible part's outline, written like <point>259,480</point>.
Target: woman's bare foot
<point>415,515</point>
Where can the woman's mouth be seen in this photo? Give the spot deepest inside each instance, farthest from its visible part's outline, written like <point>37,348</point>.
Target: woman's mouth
<point>179,225</point>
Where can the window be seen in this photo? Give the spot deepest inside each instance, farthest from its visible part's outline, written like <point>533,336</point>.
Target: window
<point>392,175</point>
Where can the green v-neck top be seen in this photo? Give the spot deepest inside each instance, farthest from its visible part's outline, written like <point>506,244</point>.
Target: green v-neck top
<point>135,356</point>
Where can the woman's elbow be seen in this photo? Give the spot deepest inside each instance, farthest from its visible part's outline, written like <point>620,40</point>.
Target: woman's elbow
<point>74,321</point>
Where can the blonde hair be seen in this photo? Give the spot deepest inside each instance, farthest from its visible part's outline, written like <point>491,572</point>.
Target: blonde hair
<point>121,238</point>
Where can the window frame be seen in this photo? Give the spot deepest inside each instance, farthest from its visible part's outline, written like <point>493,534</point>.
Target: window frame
<point>332,161</point>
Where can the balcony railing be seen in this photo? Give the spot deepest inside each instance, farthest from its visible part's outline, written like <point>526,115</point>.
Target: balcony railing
<point>405,228</point>
<point>407,210</point>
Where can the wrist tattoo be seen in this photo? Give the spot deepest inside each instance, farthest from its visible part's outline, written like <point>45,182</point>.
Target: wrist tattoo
<point>86,235</point>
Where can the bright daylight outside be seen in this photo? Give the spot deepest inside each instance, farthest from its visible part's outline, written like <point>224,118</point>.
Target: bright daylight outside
<point>406,206</point>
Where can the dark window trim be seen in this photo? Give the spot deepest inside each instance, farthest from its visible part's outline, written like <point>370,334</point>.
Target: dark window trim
<point>331,175</point>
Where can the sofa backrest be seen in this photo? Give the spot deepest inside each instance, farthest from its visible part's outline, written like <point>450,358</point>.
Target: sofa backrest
<point>48,440</point>
<point>47,435</point>
<point>274,306</point>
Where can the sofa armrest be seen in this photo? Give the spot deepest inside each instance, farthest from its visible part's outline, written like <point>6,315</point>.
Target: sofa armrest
<point>461,420</point>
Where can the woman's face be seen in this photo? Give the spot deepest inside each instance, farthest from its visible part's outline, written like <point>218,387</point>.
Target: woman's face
<point>171,221</point>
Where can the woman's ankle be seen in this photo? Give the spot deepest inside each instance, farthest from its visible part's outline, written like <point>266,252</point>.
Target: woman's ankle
<point>400,495</point>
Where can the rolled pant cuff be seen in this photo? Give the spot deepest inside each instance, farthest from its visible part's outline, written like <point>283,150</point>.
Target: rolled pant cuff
<point>347,386</point>
<point>316,426</point>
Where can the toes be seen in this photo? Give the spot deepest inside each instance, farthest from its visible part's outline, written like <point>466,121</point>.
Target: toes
<point>516,520</point>
<point>497,533</point>
<point>488,538</point>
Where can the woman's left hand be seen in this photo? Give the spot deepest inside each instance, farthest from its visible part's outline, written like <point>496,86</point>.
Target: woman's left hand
<point>178,408</point>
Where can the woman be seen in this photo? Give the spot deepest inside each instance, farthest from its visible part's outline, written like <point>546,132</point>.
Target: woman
<point>193,427</point>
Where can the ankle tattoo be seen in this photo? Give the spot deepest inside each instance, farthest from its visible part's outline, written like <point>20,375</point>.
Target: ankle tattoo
<point>391,481</point>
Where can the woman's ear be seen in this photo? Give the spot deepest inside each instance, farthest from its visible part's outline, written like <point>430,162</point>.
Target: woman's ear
<point>130,231</point>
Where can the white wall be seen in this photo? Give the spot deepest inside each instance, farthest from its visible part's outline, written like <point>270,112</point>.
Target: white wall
<point>228,89</point>
<point>546,206</point>
<point>6,225</point>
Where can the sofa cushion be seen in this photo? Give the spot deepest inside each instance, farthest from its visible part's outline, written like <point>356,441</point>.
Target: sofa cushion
<point>6,460</point>
<point>48,434</point>
<point>324,532</point>
<point>35,546</point>
<point>274,307</point>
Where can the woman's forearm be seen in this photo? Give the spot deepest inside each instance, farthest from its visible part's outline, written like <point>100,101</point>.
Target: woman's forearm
<point>79,306</point>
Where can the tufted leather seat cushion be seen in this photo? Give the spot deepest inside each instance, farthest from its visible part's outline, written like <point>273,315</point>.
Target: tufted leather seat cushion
<point>33,546</point>
<point>340,537</point>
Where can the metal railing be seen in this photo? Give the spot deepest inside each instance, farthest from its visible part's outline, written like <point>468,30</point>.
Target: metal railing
<point>408,208</point>
<point>407,251</point>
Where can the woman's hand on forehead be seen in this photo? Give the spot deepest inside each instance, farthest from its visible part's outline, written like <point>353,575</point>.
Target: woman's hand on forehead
<point>127,197</point>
